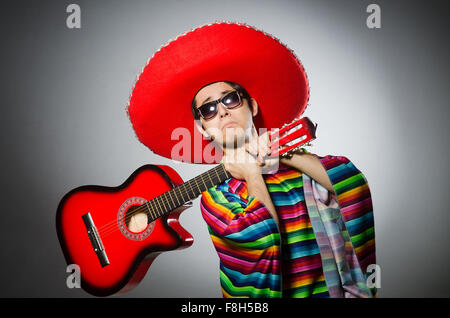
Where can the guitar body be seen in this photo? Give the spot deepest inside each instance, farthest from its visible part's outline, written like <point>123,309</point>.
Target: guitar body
<point>114,233</point>
<point>128,254</point>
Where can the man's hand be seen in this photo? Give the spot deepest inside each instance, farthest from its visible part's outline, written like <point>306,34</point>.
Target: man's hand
<point>248,163</point>
<point>241,165</point>
<point>260,148</point>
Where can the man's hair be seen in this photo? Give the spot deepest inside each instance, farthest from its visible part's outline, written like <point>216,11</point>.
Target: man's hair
<point>235,86</point>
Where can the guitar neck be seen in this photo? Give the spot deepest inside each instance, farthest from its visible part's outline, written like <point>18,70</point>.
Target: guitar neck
<point>290,136</point>
<point>185,192</point>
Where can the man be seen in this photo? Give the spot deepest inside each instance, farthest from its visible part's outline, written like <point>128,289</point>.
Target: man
<point>297,227</point>
<point>245,208</point>
<point>230,127</point>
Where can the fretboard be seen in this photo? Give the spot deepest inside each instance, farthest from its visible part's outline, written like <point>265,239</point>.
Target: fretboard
<point>185,192</point>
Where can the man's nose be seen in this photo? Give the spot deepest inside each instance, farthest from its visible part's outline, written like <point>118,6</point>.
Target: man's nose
<point>222,110</point>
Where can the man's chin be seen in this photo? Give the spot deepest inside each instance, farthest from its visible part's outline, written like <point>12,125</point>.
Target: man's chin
<point>233,142</point>
<point>231,138</point>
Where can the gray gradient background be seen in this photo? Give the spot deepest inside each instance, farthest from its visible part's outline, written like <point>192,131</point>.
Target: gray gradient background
<point>380,98</point>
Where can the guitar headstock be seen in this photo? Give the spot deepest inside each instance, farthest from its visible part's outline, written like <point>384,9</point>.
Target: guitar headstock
<point>292,136</point>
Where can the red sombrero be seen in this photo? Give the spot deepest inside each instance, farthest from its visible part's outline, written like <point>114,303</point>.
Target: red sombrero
<point>160,104</point>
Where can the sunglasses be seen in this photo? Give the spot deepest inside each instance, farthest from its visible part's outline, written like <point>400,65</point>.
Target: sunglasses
<point>229,101</point>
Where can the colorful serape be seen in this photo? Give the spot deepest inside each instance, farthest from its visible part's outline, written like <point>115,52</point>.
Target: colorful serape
<point>258,259</point>
<point>340,264</point>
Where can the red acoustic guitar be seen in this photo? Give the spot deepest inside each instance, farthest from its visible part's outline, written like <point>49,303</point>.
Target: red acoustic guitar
<point>93,226</point>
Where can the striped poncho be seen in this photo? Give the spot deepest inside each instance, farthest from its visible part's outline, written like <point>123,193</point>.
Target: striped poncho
<point>260,259</point>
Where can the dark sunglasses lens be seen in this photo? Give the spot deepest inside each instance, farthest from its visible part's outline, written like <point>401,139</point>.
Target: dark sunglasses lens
<point>231,100</point>
<point>208,110</point>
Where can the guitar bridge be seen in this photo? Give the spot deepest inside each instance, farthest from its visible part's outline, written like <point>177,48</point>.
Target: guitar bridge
<point>96,242</point>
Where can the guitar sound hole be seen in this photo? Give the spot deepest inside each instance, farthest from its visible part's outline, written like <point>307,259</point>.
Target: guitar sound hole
<point>136,220</point>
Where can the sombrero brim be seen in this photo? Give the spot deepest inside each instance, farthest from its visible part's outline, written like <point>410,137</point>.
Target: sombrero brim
<point>160,104</point>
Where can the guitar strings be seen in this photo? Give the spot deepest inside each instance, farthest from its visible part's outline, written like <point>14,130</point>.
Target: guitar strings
<point>113,224</point>
<point>162,203</point>
<point>110,227</point>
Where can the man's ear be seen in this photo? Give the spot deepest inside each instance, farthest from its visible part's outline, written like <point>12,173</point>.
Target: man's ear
<point>254,106</point>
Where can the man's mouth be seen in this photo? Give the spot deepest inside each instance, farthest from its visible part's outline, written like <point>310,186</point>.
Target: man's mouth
<point>228,125</point>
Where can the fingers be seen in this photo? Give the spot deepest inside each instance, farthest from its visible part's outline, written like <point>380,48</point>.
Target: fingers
<point>260,148</point>
<point>252,148</point>
<point>264,149</point>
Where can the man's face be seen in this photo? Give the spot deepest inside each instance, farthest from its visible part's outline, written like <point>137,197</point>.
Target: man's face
<point>229,127</point>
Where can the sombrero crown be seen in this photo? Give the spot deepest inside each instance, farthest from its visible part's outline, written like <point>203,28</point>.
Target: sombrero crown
<point>160,104</point>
